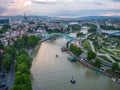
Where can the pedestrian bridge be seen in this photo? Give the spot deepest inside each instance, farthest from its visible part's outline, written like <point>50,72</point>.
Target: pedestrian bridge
<point>48,36</point>
<point>115,34</point>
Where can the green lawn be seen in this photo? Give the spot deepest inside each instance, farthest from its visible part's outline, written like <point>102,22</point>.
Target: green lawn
<point>86,44</point>
<point>116,59</point>
<point>118,47</point>
<point>108,51</point>
<point>105,58</point>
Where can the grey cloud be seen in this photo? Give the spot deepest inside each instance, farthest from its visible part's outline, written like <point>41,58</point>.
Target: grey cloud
<point>98,3</point>
<point>12,2</point>
<point>43,2</point>
<point>80,13</point>
<point>2,9</point>
<point>85,12</point>
<point>116,0</point>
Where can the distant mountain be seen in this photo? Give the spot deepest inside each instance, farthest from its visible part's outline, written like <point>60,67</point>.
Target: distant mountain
<point>58,18</point>
<point>99,17</point>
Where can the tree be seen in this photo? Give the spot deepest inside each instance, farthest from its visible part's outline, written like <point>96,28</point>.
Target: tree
<point>97,63</point>
<point>23,68</point>
<point>77,51</point>
<point>92,27</point>
<point>109,27</point>
<point>4,28</point>
<point>6,62</point>
<point>75,27</point>
<point>79,34</point>
<point>25,39</point>
<point>21,82</point>
<point>11,50</point>
<point>24,59</point>
<point>22,42</point>
<point>67,44</point>
<point>21,51</point>
<point>32,41</point>
<point>91,55</point>
<point>1,46</point>
<point>19,87</point>
<point>115,66</point>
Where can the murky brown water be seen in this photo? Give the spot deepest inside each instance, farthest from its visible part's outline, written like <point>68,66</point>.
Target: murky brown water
<point>51,73</point>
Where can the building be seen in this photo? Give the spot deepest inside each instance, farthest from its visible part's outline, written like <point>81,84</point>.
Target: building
<point>41,30</point>
<point>111,32</point>
<point>4,21</point>
<point>25,18</point>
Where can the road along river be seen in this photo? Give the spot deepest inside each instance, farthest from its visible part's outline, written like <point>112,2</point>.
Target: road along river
<point>54,73</point>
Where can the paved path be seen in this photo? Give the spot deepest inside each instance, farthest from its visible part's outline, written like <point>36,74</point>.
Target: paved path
<point>92,46</point>
<point>108,64</point>
<point>114,50</point>
<point>10,77</point>
<point>99,54</point>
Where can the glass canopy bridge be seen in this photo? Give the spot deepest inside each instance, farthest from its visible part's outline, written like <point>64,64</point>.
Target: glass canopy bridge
<point>48,36</point>
<point>115,34</point>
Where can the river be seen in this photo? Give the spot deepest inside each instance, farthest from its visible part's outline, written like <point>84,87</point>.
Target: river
<point>54,73</point>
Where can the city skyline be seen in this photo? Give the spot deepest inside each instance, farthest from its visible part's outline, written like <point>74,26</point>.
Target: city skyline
<point>60,8</point>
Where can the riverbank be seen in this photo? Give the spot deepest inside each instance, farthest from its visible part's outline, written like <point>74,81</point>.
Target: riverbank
<point>97,70</point>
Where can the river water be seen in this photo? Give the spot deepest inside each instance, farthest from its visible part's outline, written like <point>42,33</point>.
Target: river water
<point>54,73</point>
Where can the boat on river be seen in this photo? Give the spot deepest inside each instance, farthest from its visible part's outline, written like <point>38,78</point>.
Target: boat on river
<point>71,58</point>
<point>56,55</point>
<point>113,79</point>
<point>63,49</point>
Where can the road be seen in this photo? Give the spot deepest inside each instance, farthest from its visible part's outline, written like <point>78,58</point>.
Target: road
<point>92,46</point>
<point>9,78</point>
<point>99,54</point>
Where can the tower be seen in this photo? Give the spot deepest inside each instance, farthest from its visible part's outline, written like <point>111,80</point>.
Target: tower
<point>25,18</point>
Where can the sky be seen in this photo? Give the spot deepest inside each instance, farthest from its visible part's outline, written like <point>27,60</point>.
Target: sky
<point>60,8</point>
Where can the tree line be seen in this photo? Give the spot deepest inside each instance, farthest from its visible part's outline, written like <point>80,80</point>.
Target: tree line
<point>92,27</point>
<point>4,28</point>
<point>109,27</point>
<point>77,51</point>
<point>16,55</point>
<point>23,62</point>
<point>22,71</point>
<point>26,42</point>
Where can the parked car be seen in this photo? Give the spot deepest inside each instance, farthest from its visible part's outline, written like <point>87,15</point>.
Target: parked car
<point>4,74</point>
<point>6,88</point>
<point>2,83</point>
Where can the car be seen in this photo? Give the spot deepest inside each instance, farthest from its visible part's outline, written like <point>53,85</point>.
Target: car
<point>3,75</point>
<point>81,59</point>
<point>6,88</point>
<point>5,72</point>
<point>2,83</point>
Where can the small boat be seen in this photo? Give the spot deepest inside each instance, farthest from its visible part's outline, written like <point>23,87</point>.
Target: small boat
<point>56,55</point>
<point>97,71</point>
<point>72,81</point>
<point>63,49</point>
<point>113,79</point>
<point>72,58</point>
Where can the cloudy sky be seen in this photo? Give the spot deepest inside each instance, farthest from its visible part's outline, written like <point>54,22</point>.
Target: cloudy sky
<point>61,8</point>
